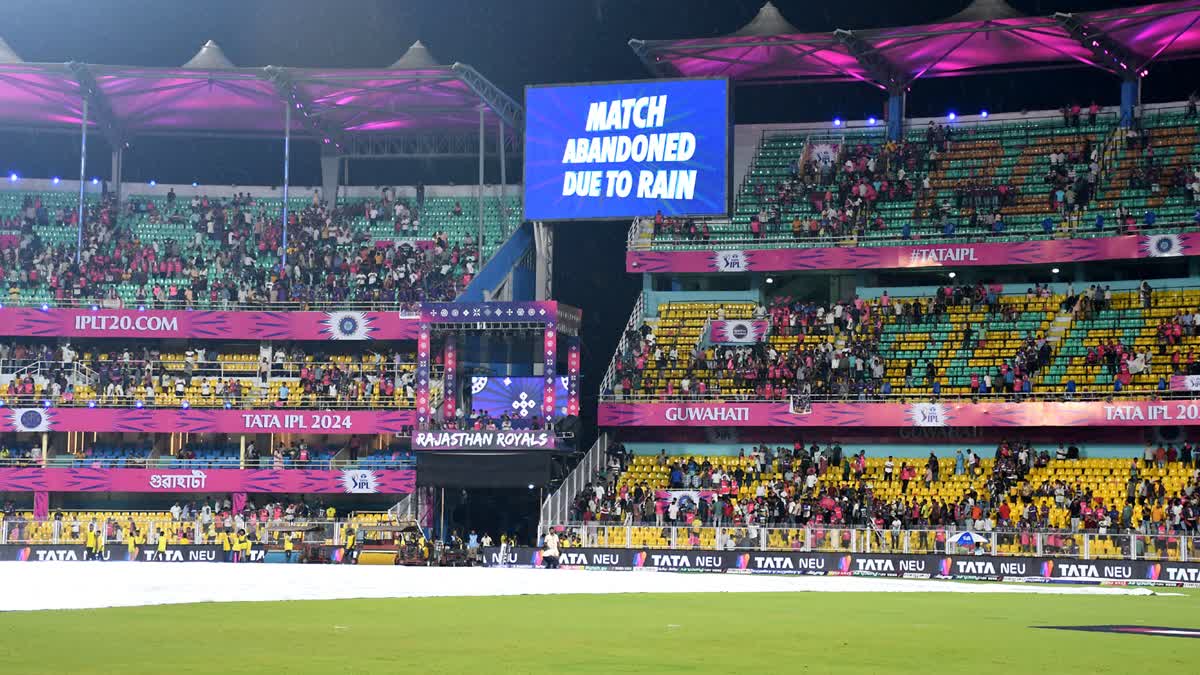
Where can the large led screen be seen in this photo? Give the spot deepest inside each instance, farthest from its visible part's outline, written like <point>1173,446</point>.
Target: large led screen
<point>627,149</point>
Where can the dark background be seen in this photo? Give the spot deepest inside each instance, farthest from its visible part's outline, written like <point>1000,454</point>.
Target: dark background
<point>513,43</point>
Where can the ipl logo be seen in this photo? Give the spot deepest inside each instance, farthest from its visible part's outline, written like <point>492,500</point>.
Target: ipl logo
<point>731,261</point>
<point>927,415</point>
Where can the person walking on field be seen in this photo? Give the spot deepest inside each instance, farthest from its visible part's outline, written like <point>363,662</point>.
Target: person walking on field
<point>550,553</point>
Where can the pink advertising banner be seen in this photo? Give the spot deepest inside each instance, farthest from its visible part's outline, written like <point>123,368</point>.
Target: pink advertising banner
<point>1032,414</point>
<point>198,421</point>
<point>738,331</point>
<point>160,324</point>
<point>348,481</point>
<point>915,255</point>
<point>1185,383</point>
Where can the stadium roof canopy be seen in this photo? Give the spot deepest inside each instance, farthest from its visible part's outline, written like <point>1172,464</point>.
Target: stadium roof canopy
<point>209,95</point>
<point>989,36</point>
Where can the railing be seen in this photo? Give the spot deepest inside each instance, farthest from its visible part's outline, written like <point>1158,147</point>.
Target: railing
<point>797,402</point>
<point>636,317</point>
<point>406,309</point>
<point>556,508</point>
<point>255,394</point>
<point>246,401</point>
<point>1116,544</point>
<point>194,530</point>
<point>786,240</point>
<point>171,462</point>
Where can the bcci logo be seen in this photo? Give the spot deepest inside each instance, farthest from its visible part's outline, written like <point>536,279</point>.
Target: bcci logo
<point>731,261</point>
<point>347,326</point>
<point>1163,246</point>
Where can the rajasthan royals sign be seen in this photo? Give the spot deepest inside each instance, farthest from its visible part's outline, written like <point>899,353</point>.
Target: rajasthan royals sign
<point>483,440</point>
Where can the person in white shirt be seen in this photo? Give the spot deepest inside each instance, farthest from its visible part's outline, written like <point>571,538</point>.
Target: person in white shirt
<point>550,551</point>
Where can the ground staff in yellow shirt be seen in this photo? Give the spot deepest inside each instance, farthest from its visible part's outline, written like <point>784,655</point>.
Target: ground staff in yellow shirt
<point>223,540</point>
<point>131,543</point>
<point>348,551</point>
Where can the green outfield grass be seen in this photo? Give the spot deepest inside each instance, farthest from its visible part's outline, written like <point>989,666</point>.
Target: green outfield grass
<point>728,633</point>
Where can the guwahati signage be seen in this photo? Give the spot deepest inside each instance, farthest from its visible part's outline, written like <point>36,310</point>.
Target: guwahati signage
<point>483,440</point>
<point>217,325</point>
<point>864,414</point>
<point>914,255</point>
<point>989,568</point>
<point>298,481</point>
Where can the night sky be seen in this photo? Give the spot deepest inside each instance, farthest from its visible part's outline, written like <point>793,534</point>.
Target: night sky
<point>513,43</point>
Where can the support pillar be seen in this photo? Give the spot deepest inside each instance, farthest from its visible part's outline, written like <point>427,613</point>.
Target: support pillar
<point>543,241</point>
<point>1131,98</point>
<point>479,193</point>
<point>82,178</point>
<point>287,148</point>
<point>573,360</point>
<point>505,215</point>
<point>330,164</point>
<point>896,104</point>
<point>423,410</point>
<point>114,176</point>
<point>549,365</point>
<point>450,375</point>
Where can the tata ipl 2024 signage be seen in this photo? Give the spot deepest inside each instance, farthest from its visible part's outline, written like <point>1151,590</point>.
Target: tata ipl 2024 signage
<point>627,149</point>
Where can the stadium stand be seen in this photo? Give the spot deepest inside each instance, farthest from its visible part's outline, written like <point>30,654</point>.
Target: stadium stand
<point>162,251</point>
<point>203,375</point>
<point>957,340</point>
<point>797,497</point>
<point>947,182</point>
